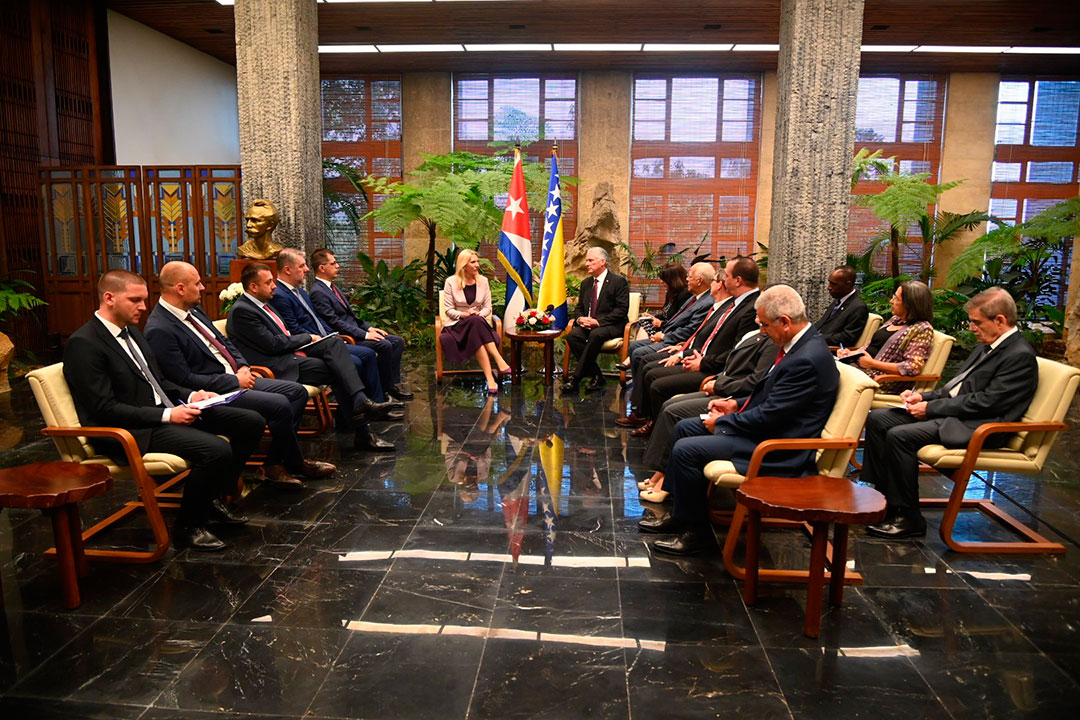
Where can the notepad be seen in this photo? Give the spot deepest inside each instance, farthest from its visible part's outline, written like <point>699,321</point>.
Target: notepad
<point>217,400</point>
<point>316,342</point>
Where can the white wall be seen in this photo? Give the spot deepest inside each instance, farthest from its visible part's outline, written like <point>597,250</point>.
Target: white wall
<point>172,104</point>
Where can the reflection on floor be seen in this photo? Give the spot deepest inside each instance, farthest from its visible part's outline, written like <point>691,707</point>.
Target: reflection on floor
<point>491,569</point>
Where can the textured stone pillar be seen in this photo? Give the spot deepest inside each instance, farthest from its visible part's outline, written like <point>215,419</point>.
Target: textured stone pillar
<point>766,148</point>
<point>277,78</point>
<point>818,79</point>
<point>425,128</point>
<point>967,154</point>
<point>1072,310</point>
<point>604,142</point>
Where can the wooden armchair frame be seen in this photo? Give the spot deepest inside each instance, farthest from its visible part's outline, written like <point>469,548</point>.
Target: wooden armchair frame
<point>440,370</point>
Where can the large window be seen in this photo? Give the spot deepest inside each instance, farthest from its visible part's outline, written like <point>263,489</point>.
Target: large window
<point>694,164</point>
<point>362,130</point>
<point>505,109</point>
<point>902,116</point>
<point>1036,156</point>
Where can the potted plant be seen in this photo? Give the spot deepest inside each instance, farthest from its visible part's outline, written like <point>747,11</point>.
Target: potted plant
<point>16,296</point>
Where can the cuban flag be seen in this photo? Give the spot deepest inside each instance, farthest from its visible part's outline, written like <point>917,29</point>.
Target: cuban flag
<point>553,257</point>
<point>515,247</point>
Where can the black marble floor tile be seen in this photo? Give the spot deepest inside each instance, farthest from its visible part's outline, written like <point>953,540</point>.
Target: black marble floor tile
<point>892,564</point>
<point>374,668</point>
<point>1043,615</point>
<point>28,639</point>
<point>311,596</point>
<point>265,543</point>
<point>197,592</point>
<point>526,679</point>
<point>37,587</point>
<point>581,606</point>
<point>686,613</point>
<point>306,506</point>
<point>41,709</point>
<point>344,545</point>
<point>254,669</point>
<point>1001,685</point>
<point>377,507</point>
<point>779,616</point>
<point>829,683</point>
<point>699,681</point>
<point>433,598</point>
<point>118,660</point>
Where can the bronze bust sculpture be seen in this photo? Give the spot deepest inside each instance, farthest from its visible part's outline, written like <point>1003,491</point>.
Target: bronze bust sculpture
<point>259,223</point>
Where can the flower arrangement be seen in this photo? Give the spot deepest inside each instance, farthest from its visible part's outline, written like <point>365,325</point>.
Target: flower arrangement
<point>228,297</point>
<point>534,321</point>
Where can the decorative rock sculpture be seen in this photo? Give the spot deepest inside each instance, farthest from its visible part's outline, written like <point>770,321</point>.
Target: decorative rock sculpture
<point>259,223</point>
<point>600,228</point>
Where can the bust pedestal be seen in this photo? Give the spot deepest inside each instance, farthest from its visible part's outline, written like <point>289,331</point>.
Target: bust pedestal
<point>236,267</point>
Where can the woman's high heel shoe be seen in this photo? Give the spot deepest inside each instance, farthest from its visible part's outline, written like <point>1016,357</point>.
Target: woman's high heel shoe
<point>644,485</point>
<point>654,496</point>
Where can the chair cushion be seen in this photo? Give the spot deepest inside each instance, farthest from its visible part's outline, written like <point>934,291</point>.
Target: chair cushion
<point>313,391</point>
<point>724,474</point>
<point>613,345</point>
<point>1005,460</point>
<point>155,463</point>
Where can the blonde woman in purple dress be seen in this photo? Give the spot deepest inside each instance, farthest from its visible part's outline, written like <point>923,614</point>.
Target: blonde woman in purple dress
<point>467,332</point>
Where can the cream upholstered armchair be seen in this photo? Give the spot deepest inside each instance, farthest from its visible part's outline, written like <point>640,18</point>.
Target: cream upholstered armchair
<point>1026,453</point>
<point>873,322</point>
<point>75,444</point>
<point>926,380</point>
<point>837,442</point>
<point>618,345</point>
<point>317,400</point>
<point>440,320</point>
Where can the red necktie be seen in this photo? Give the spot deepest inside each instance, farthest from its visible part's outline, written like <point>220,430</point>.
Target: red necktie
<point>276,319</point>
<point>213,341</point>
<point>339,296</point>
<point>592,305</point>
<point>704,322</point>
<point>719,324</point>
<point>779,357</point>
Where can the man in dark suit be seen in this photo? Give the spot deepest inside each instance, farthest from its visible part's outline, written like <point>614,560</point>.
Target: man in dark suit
<point>293,306</point>
<point>749,361</point>
<point>196,354</point>
<point>793,400</point>
<point>844,321</point>
<point>705,353</point>
<point>336,312</point>
<point>995,384</point>
<point>603,303</point>
<point>260,334</point>
<point>115,381</point>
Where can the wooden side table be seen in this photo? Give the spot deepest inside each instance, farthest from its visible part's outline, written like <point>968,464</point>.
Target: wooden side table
<point>818,500</point>
<point>56,488</point>
<point>546,338</point>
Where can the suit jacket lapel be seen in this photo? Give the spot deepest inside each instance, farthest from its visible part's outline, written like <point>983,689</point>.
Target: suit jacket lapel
<point>189,331</point>
<point>113,344</point>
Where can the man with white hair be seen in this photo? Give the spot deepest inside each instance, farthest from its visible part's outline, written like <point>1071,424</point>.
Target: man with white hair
<point>793,400</point>
<point>603,303</point>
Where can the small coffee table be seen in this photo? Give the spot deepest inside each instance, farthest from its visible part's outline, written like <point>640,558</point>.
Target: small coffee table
<point>56,488</point>
<point>818,500</point>
<point>546,338</point>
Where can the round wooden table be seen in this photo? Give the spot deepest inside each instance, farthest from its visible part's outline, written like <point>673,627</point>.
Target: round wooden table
<point>546,338</point>
<point>819,501</point>
<point>56,488</point>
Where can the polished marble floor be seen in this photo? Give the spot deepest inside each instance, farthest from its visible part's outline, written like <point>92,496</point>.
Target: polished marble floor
<point>491,569</point>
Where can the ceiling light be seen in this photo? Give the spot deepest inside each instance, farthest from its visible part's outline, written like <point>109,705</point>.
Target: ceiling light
<point>598,47</point>
<point>688,47</point>
<point>419,48</point>
<point>329,49</point>
<point>984,49</point>
<point>510,47</point>
<point>888,48</point>
<point>1044,50</point>
<point>756,48</point>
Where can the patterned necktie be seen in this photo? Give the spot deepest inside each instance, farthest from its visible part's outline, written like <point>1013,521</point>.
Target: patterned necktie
<point>592,305</point>
<point>716,329</point>
<point>690,340</point>
<point>340,297</point>
<point>835,309</point>
<point>138,358</point>
<point>213,341</point>
<point>952,388</point>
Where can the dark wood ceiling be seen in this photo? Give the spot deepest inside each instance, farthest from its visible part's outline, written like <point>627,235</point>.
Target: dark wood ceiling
<point>208,26</point>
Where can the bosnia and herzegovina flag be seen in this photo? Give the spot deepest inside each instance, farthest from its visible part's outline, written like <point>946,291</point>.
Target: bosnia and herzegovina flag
<point>553,257</point>
<point>515,247</point>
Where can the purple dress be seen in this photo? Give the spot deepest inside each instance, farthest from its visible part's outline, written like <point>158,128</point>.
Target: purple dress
<point>461,340</point>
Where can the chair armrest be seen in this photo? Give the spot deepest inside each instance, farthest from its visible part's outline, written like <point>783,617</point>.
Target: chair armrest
<point>626,341</point>
<point>891,377</point>
<point>347,338</point>
<point>122,436</point>
<point>708,379</point>
<point>978,439</point>
<point>262,371</point>
<point>438,324</point>
<point>768,446</point>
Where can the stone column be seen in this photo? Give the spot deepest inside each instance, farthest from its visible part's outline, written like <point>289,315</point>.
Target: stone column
<point>818,79</point>
<point>967,154</point>
<point>280,108</point>
<point>1072,310</point>
<point>766,148</point>
<point>425,128</point>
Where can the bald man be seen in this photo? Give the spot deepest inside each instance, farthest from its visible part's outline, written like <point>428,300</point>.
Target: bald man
<point>194,354</point>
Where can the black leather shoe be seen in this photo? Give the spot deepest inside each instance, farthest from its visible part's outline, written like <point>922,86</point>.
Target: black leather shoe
<point>570,386</point>
<point>399,394</point>
<point>394,403</point>
<point>689,543</point>
<point>367,440</point>
<point>222,513</point>
<point>659,524</point>
<point>596,382</point>
<point>196,538</point>
<point>368,410</point>
<point>899,527</point>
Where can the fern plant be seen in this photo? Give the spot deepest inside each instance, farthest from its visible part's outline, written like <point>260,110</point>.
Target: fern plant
<point>17,296</point>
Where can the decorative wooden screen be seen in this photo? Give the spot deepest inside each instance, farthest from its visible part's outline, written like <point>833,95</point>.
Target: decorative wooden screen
<point>99,218</point>
<point>902,116</point>
<point>505,109</point>
<point>1036,157</point>
<point>694,168</point>
<point>361,129</point>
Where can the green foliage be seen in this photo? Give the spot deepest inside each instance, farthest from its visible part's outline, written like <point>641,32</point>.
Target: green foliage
<point>335,202</point>
<point>949,314</point>
<point>867,164</point>
<point>17,296</point>
<point>392,297</point>
<point>651,261</point>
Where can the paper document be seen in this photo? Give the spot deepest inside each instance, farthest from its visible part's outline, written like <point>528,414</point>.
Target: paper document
<point>218,400</point>
<point>324,337</point>
<point>852,359</point>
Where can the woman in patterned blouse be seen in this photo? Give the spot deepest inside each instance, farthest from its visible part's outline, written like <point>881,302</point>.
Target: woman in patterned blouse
<point>902,344</point>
